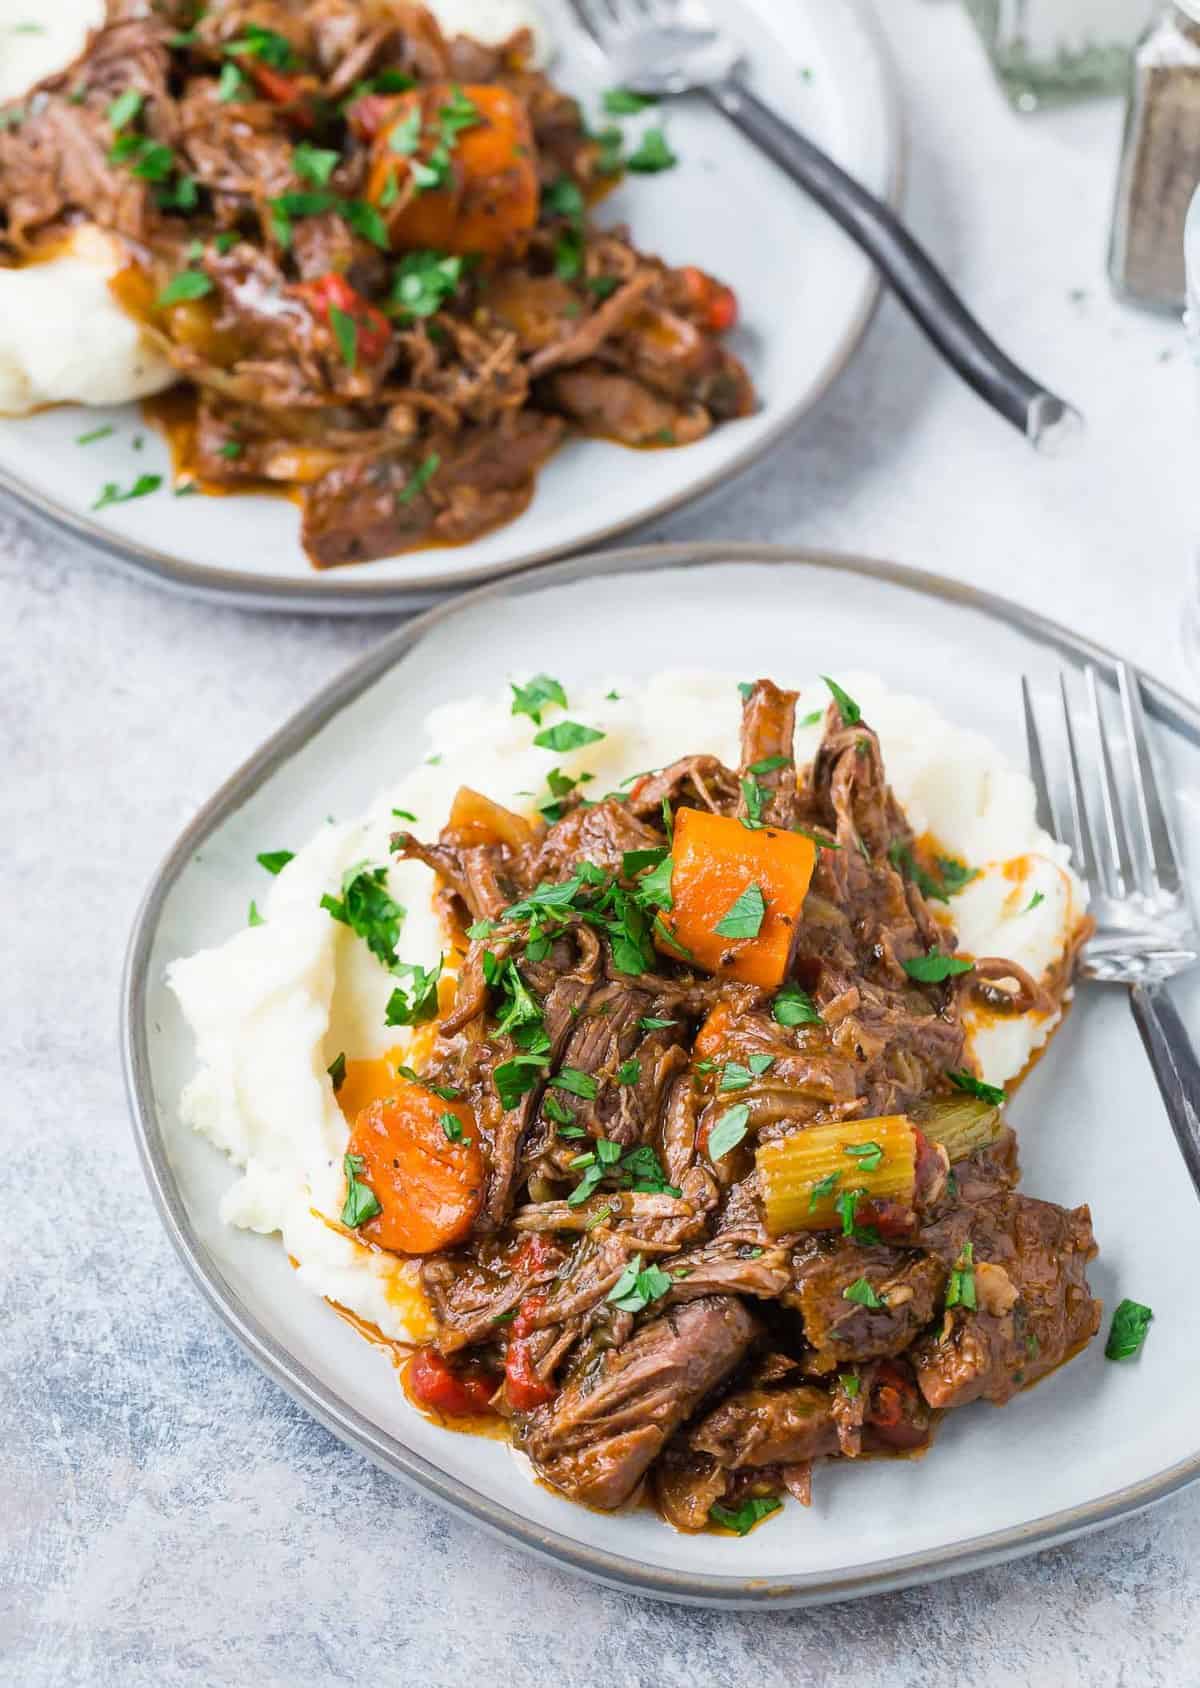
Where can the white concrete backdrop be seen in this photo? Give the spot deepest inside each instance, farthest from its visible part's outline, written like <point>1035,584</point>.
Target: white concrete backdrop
<point>166,1515</point>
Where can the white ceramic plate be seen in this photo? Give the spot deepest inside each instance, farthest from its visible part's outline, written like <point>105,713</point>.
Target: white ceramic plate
<point>1088,1445</point>
<point>806,295</point>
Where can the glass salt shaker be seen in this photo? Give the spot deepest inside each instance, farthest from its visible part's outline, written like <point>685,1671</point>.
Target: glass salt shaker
<point>1160,162</point>
<point>1047,51</point>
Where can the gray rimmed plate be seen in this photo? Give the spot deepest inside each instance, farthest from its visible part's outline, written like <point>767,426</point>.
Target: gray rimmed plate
<point>806,295</point>
<point>1089,1445</point>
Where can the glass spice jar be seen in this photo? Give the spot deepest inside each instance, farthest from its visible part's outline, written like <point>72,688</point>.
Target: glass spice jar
<point>1047,51</point>
<point>1160,162</point>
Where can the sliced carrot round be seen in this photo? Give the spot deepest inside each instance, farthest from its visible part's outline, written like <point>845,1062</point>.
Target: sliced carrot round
<point>421,1159</point>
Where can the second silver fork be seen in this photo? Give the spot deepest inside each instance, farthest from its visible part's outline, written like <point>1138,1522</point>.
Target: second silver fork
<point>1145,931</point>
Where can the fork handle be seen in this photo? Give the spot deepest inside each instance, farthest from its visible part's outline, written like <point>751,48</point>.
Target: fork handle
<point>1175,1067</point>
<point>1044,419</point>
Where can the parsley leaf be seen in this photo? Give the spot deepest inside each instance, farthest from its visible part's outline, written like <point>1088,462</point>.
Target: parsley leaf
<point>637,1287</point>
<point>822,1188</point>
<point>188,284</point>
<point>868,1155</point>
<point>653,890</point>
<point>575,1083</point>
<point>230,84</point>
<point>368,910</point>
<point>361,1201</point>
<point>94,435</point>
<point>566,735</point>
<point>514,1077</point>
<point>932,969</point>
<point>728,1131</point>
<point>849,711</point>
<point>337,1071</point>
<point>314,164</point>
<point>112,494</point>
<point>124,109</point>
<point>253,918</point>
<point>417,1005</point>
<point>747,1515</point>
<point>623,102</point>
<point>794,1007</point>
<point>960,1292</point>
<point>275,860</point>
<point>629,1071</point>
<point>862,1292</point>
<point>419,480</point>
<point>1034,901</point>
<point>345,332</point>
<point>973,1086</point>
<point>651,1023</point>
<point>423,281</point>
<point>653,153</point>
<point>1131,1322</point>
<point>453,1128</point>
<point>851,1383</point>
<point>744,917</point>
<point>531,698</point>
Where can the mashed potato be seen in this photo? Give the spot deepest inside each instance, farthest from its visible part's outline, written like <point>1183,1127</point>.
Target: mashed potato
<point>65,340</point>
<point>276,1004</point>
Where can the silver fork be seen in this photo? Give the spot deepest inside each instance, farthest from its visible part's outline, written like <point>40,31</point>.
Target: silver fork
<point>666,47</point>
<point>1145,931</point>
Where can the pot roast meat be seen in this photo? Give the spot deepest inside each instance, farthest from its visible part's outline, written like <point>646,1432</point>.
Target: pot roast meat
<point>597,1440</point>
<point>1040,1251</point>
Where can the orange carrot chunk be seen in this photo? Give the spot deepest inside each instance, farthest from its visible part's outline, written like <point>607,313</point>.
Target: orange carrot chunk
<point>421,1159</point>
<point>454,169</point>
<point>737,896</point>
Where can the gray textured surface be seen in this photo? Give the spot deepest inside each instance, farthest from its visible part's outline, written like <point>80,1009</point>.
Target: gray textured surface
<point>166,1515</point>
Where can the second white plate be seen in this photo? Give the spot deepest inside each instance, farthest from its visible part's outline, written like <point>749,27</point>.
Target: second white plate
<point>806,295</point>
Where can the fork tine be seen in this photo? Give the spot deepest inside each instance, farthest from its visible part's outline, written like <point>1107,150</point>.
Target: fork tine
<point>596,17</point>
<point>1082,846</point>
<point>1156,836</point>
<point>1037,765</point>
<point>1118,865</point>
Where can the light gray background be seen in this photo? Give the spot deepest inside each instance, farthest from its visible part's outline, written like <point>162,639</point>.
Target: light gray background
<point>166,1515</point>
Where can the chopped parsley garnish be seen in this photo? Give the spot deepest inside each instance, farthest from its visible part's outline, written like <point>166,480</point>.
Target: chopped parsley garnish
<point>365,220</point>
<point>266,45</point>
<point>337,1071</point>
<point>231,84</point>
<point>753,793</point>
<point>275,860</point>
<point>531,698</point>
<point>822,1188</point>
<point>638,1286</point>
<point>960,1291</point>
<point>744,917</point>
<point>404,136</point>
<point>422,283</point>
<point>651,1023</point>
<point>1131,1321</point>
<point>738,1077</point>
<point>112,493</point>
<point>953,875</point>
<point>417,1005</point>
<point>563,198</point>
<point>253,918</point>
<point>845,1206</point>
<point>652,154</point>
<point>453,1128</point>
<point>516,1007</point>
<point>932,969</point>
<point>862,1293</point>
<point>368,910</point>
<point>1036,899</point>
<point>124,109</point>
<point>794,1007</point>
<point>849,711</point>
<point>447,1092</point>
<point>653,889</point>
<point>629,1071</point>
<point>868,1155</point>
<point>811,719</point>
<point>851,1384</point>
<point>750,1513</point>
<point>517,1076</point>
<point>361,1201</point>
<point>314,164</point>
<point>419,480</point>
<point>623,102</point>
<point>575,1083</point>
<point>768,764</point>
<point>94,435</point>
<point>345,332</point>
<point>728,1131</point>
<point>973,1086</point>
<point>566,735</point>
<point>561,1115</point>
